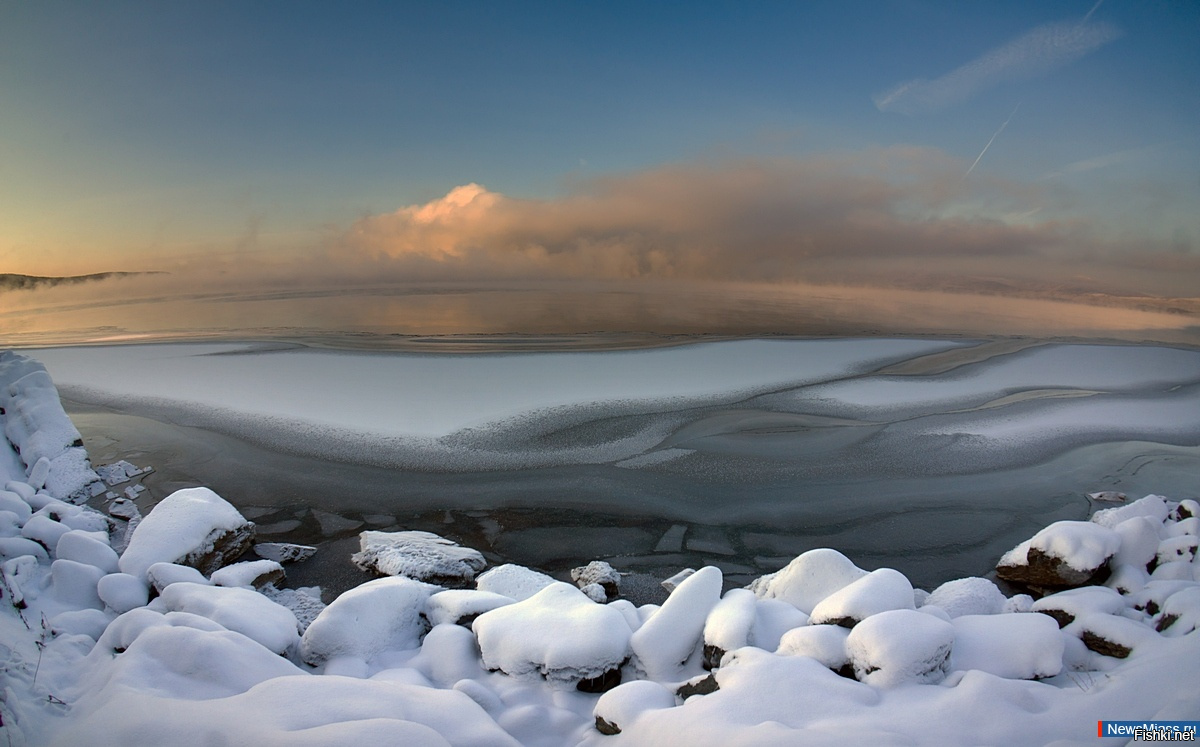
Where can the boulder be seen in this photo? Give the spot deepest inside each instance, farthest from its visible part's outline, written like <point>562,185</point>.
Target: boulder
<point>808,579</point>
<point>387,614</point>
<point>900,646</point>
<point>601,574</point>
<point>1064,555</point>
<point>878,591</point>
<point>618,707</point>
<point>194,527</point>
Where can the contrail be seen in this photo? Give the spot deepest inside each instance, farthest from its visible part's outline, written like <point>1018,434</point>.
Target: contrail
<point>989,143</point>
<point>1090,12</point>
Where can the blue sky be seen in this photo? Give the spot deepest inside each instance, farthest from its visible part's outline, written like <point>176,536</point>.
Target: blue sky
<point>153,134</point>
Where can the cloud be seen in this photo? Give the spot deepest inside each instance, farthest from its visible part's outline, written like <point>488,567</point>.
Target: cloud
<point>750,220</point>
<point>1034,53</point>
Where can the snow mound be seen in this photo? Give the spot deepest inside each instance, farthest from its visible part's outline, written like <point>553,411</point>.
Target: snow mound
<point>387,614</point>
<point>730,625</point>
<point>878,591</point>
<point>195,527</point>
<point>1152,506</point>
<point>422,556</point>
<point>825,643</point>
<point>619,707</point>
<point>667,641</point>
<point>1019,646</point>
<point>900,646</point>
<point>249,573</point>
<point>513,581</point>
<point>240,610</point>
<point>968,596</point>
<point>808,579</point>
<point>462,606</point>
<point>1082,545</point>
<point>557,634</point>
<point>1066,606</point>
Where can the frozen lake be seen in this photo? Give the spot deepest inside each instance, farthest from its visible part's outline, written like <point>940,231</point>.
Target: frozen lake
<point>929,456</point>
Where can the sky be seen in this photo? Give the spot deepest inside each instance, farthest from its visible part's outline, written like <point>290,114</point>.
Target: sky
<point>1030,145</point>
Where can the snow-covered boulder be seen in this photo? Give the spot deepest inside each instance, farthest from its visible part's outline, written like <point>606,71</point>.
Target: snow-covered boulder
<point>900,646</point>
<point>1063,555</point>
<point>448,654</point>
<point>557,634</point>
<point>250,573</point>
<point>35,423</point>
<point>878,591</point>
<point>387,614</point>
<point>422,556</point>
<point>598,573</point>
<point>773,618</point>
<point>968,596</point>
<point>1112,635</point>
<point>825,643</point>
<point>513,581</point>
<point>1152,506</point>
<point>808,579</point>
<point>1140,536</point>
<point>194,527</point>
<point>1018,646</point>
<point>462,606</point>
<point>669,639</point>
<point>1180,612</point>
<point>284,552</point>
<point>122,592</point>
<point>162,575</point>
<point>619,707</point>
<point>1066,606</point>
<point>74,584</point>
<point>1177,549</point>
<point>730,625</point>
<point>87,547</point>
<point>240,610</point>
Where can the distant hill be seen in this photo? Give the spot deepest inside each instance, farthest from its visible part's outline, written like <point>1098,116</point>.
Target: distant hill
<point>9,281</point>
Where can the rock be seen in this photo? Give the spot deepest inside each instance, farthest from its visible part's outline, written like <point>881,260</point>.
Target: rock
<point>162,575</point>
<point>1066,606</point>
<point>387,614</point>
<point>284,552</point>
<point>1113,635</point>
<point>1065,554</point>
<point>703,685</point>
<point>730,625</point>
<point>462,606</point>
<point>123,508</point>
<point>422,556</point>
<point>194,527</point>
<point>968,596</point>
<point>878,591</point>
<point>600,573</point>
<point>621,705</point>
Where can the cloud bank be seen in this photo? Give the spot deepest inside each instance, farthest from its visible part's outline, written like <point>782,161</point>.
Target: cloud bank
<point>1037,52</point>
<point>730,221</point>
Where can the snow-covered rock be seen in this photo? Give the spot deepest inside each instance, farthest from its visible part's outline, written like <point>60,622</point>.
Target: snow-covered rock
<point>1152,506</point>
<point>284,552</point>
<point>387,614</point>
<point>900,646</point>
<point>1180,612</point>
<point>968,596</point>
<point>195,527</point>
<point>598,573</point>
<point>729,625</point>
<point>672,637</point>
<point>87,547</point>
<point>808,579</point>
<point>618,707</point>
<point>250,573</point>
<point>1112,635</point>
<point>462,606</point>
<point>825,643</point>
<point>237,609</point>
<point>1064,554</point>
<point>122,592</point>
<point>557,634</point>
<point>513,581</point>
<point>880,590</point>
<point>1018,646</point>
<point>162,575</point>
<point>1066,606</point>
<point>422,556</point>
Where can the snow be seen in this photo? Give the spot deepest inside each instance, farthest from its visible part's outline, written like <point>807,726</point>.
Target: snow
<point>513,581</point>
<point>808,579</point>
<point>666,642</point>
<point>900,646</point>
<point>968,596</point>
<point>237,609</point>
<point>162,575</point>
<point>381,615</point>
<point>1151,506</point>
<point>247,573</point>
<point>454,605</point>
<point>86,547</point>
<point>122,592</point>
<point>557,634</point>
<point>880,590</point>
<point>825,643</point>
<point>730,624</point>
<point>181,529</point>
<point>624,703</point>
<point>1015,645</point>
<point>423,556</point>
